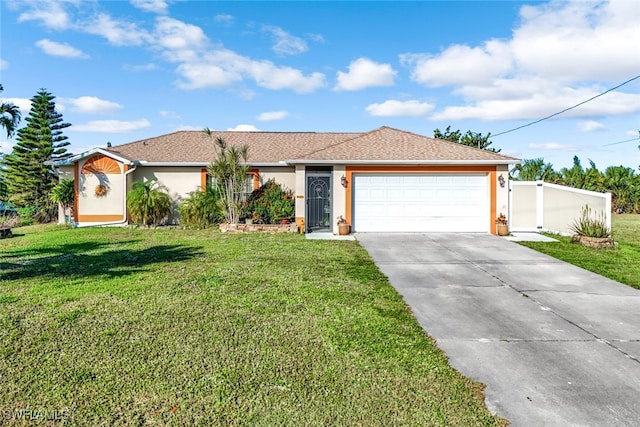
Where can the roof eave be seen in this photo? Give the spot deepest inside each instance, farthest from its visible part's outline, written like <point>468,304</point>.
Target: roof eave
<point>404,162</point>
<point>97,150</point>
<point>205,164</point>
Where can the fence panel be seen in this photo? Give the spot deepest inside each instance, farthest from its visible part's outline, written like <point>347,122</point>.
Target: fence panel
<point>540,206</point>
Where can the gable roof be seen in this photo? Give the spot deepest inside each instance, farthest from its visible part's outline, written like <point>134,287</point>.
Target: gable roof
<point>382,145</point>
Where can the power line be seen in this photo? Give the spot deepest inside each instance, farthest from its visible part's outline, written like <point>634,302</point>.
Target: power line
<point>621,142</point>
<point>567,109</point>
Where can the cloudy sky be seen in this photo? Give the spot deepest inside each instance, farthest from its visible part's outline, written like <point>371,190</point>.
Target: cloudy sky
<point>127,70</point>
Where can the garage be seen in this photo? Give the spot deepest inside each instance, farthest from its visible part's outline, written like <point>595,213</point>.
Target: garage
<point>420,202</point>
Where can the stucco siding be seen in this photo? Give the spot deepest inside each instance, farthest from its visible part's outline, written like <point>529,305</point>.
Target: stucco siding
<point>282,175</point>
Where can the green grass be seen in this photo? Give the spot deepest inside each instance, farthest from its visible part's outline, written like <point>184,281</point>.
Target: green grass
<point>178,327</point>
<point>620,263</point>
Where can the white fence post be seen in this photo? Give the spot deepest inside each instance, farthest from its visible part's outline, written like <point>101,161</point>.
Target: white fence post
<point>539,205</point>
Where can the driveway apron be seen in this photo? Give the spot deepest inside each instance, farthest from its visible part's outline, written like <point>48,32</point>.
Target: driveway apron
<point>556,345</point>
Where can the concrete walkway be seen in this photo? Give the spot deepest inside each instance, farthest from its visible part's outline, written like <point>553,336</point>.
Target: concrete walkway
<point>555,345</point>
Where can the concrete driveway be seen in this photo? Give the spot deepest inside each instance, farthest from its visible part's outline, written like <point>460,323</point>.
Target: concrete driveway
<point>555,345</point>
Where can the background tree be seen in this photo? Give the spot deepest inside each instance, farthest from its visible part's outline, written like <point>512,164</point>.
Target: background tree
<point>64,194</point>
<point>472,139</point>
<point>534,170</point>
<point>28,178</point>
<point>229,171</point>
<point>9,116</point>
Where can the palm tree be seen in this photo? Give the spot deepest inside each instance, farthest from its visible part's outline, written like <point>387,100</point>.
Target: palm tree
<point>229,170</point>
<point>148,203</point>
<point>534,170</point>
<point>63,193</point>
<point>9,116</point>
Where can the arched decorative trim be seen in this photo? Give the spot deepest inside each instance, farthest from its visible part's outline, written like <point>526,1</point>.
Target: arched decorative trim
<point>101,164</point>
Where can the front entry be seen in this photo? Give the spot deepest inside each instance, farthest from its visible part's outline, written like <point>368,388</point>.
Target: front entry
<point>318,215</point>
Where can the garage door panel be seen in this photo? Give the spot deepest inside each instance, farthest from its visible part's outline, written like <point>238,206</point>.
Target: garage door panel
<point>420,202</point>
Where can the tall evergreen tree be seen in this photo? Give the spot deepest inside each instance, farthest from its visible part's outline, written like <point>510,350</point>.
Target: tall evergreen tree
<point>28,178</point>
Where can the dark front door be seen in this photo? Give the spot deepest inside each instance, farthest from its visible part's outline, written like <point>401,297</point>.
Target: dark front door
<point>318,202</point>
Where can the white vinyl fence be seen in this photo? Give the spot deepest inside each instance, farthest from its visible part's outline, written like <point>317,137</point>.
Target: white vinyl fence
<point>540,206</point>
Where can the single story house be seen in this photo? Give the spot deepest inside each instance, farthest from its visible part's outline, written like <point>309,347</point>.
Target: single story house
<point>385,180</point>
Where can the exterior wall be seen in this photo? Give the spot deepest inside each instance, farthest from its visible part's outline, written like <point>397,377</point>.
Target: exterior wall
<point>339,196</point>
<point>502,190</point>
<point>90,207</point>
<point>282,175</point>
<point>177,181</point>
<point>491,172</point>
<point>540,206</point>
<point>301,194</point>
<point>64,172</point>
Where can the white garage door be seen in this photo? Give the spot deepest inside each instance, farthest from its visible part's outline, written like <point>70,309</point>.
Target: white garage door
<point>420,202</point>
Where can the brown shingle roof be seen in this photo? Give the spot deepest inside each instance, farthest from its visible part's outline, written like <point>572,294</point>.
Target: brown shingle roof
<point>379,145</point>
<point>196,146</point>
<point>388,144</point>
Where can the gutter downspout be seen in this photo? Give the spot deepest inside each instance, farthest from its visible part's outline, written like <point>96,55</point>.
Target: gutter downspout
<point>124,202</point>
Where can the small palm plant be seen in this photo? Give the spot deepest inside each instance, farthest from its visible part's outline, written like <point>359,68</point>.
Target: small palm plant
<point>589,225</point>
<point>64,194</point>
<point>148,203</point>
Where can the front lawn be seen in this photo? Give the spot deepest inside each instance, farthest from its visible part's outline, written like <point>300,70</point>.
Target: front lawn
<point>109,326</point>
<point>620,263</point>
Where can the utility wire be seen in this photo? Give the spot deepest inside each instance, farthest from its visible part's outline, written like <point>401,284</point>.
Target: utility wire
<point>620,142</point>
<point>567,109</point>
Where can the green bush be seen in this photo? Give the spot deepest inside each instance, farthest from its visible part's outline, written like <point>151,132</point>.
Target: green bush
<point>590,226</point>
<point>201,209</point>
<point>270,203</point>
<point>26,215</point>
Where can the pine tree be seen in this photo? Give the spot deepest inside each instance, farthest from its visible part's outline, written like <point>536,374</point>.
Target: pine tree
<point>28,178</point>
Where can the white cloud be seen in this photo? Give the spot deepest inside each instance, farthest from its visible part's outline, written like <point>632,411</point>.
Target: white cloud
<point>189,127</point>
<point>460,64</point>
<point>556,52</point>
<point>364,73</point>
<point>139,68</point>
<point>50,14</point>
<point>590,126</point>
<point>285,43</point>
<point>393,108</point>
<point>23,104</point>
<point>632,132</point>
<point>3,64</point>
<point>270,76</point>
<point>64,50</point>
<point>111,126</point>
<point>272,115</point>
<point>553,146</point>
<point>547,101</point>
<point>155,6</point>
<point>224,19</point>
<point>244,128</point>
<point>117,32</point>
<point>91,105</point>
<point>175,35</point>
<point>169,114</point>
<point>5,146</point>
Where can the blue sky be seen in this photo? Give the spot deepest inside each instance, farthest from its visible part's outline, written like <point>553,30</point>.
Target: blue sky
<point>127,70</point>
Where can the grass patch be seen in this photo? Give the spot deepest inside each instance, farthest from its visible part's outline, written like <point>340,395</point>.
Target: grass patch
<point>174,327</point>
<point>619,263</point>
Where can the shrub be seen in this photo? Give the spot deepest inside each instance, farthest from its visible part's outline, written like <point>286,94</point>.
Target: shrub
<point>201,209</point>
<point>26,215</point>
<point>590,226</point>
<point>271,203</point>
<point>148,203</point>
